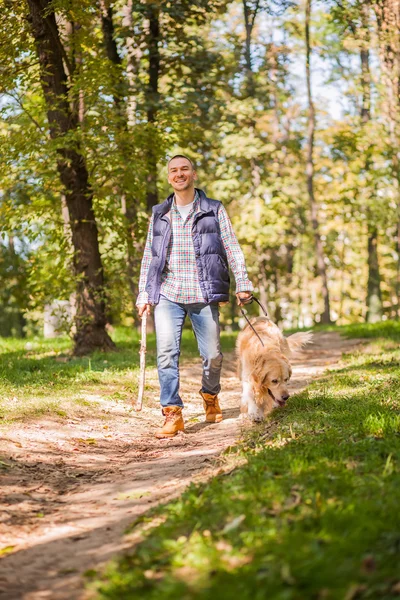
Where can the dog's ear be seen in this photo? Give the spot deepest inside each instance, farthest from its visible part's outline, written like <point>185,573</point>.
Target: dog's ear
<point>262,369</point>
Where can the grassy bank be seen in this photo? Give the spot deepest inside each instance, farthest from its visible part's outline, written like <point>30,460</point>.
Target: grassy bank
<point>40,377</point>
<point>313,513</point>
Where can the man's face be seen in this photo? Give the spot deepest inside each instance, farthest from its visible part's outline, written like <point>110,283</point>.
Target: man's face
<point>181,175</point>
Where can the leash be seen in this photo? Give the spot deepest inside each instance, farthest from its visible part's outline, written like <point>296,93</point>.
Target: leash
<point>249,301</point>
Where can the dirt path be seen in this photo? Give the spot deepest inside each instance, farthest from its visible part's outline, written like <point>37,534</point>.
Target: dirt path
<point>71,488</point>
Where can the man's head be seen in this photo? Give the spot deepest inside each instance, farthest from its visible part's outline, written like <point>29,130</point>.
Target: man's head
<point>181,173</point>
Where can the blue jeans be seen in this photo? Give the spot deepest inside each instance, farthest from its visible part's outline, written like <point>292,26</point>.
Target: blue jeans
<point>169,318</point>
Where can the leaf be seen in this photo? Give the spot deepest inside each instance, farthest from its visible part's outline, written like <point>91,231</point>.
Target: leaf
<point>234,524</point>
<point>286,575</point>
<point>355,591</point>
<point>6,550</point>
<point>18,444</point>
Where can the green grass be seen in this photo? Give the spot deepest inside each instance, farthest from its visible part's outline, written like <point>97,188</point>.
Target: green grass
<point>40,377</point>
<point>313,513</point>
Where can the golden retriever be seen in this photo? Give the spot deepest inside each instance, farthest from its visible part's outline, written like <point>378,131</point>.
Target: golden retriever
<point>265,370</point>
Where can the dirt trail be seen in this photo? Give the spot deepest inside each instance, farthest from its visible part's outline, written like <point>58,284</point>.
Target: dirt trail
<point>71,488</point>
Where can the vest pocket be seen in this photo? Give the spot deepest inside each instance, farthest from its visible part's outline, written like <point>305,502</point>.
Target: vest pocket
<point>223,269</point>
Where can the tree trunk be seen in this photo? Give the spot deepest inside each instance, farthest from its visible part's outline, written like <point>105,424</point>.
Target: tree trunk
<point>374,304</point>
<point>152,100</point>
<point>90,300</point>
<point>129,204</point>
<point>113,56</point>
<point>250,14</point>
<point>388,20</point>
<point>325,316</point>
<point>374,297</point>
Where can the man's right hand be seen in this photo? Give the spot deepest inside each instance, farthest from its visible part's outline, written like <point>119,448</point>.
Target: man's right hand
<point>143,308</point>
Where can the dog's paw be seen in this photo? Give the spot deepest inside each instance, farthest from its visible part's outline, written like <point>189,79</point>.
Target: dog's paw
<point>256,415</point>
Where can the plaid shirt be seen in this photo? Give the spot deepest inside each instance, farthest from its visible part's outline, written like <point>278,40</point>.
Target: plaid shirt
<point>179,279</point>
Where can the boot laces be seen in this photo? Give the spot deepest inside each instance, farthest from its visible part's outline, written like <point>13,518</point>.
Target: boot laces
<point>170,415</point>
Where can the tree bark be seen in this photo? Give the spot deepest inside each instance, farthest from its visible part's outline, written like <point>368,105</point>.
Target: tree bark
<point>321,267</point>
<point>374,296</point>
<point>110,45</point>
<point>249,21</point>
<point>90,297</point>
<point>388,20</point>
<point>129,204</point>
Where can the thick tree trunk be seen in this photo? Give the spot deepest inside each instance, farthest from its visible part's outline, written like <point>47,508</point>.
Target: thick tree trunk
<point>152,99</point>
<point>325,316</point>
<point>90,300</point>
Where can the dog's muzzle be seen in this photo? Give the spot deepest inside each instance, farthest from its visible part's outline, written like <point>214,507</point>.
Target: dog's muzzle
<point>280,402</point>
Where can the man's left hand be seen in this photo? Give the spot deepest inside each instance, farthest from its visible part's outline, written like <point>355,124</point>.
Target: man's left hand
<point>241,297</point>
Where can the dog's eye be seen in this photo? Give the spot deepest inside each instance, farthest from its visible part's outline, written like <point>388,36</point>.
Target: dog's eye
<point>287,379</point>
<point>274,381</point>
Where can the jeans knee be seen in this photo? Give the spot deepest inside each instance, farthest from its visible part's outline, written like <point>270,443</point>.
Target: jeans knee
<point>167,359</point>
<point>214,360</point>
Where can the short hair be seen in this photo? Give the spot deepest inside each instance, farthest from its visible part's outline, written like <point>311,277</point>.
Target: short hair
<point>182,156</point>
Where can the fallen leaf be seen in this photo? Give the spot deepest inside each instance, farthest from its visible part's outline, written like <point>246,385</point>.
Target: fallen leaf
<point>234,524</point>
<point>396,588</point>
<point>6,550</point>
<point>355,591</point>
<point>18,444</point>
<point>286,575</point>
<point>368,564</point>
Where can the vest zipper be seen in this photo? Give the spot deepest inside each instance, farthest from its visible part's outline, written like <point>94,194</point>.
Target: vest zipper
<point>162,262</point>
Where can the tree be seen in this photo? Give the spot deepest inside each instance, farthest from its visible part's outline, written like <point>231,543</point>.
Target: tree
<point>320,256</point>
<point>63,123</point>
<point>387,18</point>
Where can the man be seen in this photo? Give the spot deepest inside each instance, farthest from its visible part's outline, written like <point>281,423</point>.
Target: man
<point>190,244</point>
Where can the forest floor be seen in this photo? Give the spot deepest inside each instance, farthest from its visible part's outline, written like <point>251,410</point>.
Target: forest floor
<point>74,480</point>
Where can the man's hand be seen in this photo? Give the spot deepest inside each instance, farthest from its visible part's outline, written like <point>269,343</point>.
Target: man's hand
<point>143,308</point>
<point>241,297</point>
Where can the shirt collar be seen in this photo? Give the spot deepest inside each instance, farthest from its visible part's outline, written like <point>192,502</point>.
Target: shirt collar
<point>195,202</point>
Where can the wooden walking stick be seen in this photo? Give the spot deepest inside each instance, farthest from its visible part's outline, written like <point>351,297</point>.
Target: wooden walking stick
<point>142,352</point>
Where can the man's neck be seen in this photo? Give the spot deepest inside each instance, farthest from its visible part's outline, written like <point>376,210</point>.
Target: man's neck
<point>185,197</point>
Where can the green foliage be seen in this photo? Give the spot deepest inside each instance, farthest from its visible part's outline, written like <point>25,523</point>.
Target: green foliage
<point>245,129</point>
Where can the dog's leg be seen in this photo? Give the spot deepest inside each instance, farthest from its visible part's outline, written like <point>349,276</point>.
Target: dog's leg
<point>248,406</point>
<point>254,411</point>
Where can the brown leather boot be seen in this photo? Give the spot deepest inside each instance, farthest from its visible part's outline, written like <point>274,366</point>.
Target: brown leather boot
<point>173,422</point>
<point>212,407</point>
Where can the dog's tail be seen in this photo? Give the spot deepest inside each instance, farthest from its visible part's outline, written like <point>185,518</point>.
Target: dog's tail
<point>299,339</point>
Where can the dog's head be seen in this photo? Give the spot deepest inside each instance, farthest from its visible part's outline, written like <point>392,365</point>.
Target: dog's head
<point>270,378</point>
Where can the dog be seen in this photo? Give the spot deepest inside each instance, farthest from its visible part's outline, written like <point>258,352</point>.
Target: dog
<point>265,369</point>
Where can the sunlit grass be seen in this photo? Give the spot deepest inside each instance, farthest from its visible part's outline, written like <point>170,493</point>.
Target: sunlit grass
<point>312,513</point>
<point>41,377</point>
